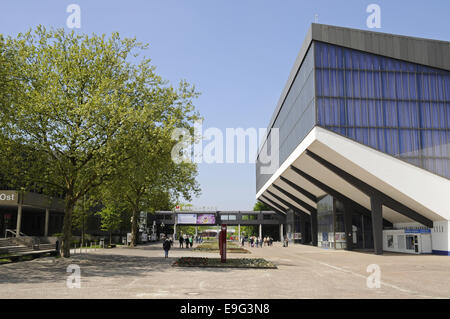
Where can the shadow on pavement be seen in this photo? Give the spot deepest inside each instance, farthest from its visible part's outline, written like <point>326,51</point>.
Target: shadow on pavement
<point>91,265</point>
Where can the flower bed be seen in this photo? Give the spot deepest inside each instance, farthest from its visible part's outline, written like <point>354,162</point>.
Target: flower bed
<point>258,263</point>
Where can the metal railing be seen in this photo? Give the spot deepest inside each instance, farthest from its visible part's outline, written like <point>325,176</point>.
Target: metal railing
<point>13,233</point>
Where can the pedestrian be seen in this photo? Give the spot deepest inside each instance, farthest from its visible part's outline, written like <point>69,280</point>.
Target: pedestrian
<point>191,241</point>
<point>260,241</point>
<point>187,241</point>
<point>286,242</point>
<point>166,247</point>
<point>242,241</point>
<point>181,240</point>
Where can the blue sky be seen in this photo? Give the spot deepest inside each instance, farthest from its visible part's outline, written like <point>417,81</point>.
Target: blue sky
<point>238,54</point>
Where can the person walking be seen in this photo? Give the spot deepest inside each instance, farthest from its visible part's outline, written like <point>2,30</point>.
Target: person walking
<point>186,240</point>
<point>181,240</point>
<point>191,241</point>
<point>166,247</point>
<point>286,242</point>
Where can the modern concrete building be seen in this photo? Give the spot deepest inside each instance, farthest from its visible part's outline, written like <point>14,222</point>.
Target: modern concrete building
<point>364,133</point>
<point>29,214</point>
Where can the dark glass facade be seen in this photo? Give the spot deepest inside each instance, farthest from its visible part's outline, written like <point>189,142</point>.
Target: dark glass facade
<point>397,107</point>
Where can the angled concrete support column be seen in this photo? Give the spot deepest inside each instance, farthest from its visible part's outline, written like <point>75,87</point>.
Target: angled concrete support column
<point>302,228</point>
<point>314,228</point>
<point>47,213</point>
<point>260,230</point>
<point>377,225</point>
<point>19,220</point>
<point>348,211</point>
<point>239,232</point>
<point>281,233</point>
<point>174,231</point>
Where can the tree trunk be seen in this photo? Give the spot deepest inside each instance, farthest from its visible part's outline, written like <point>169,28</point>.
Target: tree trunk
<point>134,227</point>
<point>110,235</point>
<point>67,227</point>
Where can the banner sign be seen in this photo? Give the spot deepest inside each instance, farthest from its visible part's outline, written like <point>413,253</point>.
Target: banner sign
<point>206,219</point>
<point>186,218</point>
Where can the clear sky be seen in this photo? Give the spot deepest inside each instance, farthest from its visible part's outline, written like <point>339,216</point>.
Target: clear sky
<point>238,53</point>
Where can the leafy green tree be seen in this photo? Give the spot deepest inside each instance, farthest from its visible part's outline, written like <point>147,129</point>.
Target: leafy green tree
<point>260,206</point>
<point>250,230</point>
<point>110,219</point>
<point>78,101</point>
<point>83,210</point>
<point>150,180</point>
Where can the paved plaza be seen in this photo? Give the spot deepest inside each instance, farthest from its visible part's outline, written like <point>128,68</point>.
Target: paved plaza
<point>303,272</point>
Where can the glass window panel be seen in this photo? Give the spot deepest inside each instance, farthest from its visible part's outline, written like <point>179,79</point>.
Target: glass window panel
<point>351,121</point>
<point>440,88</point>
<point>391,139</point>
<point>390,112</point>
<point>342,112</point>
<point>437,142</point>
<point>412,93</point>
<point>377,88</point>
<point>356,59</point>
<point>340,57</point>
<point>372,112</point>
<point>425,113</point>
<point>348,83</point>
<point>363,84</point>
<point>381,140</point>
<point>409,142</point>
<point>433,87</point>
<point>425,84</point>
<point>362,135</point>
<point>405,86</point>
<point>333,84</point>
<point>373,138</point>
<point>379,114</point>
<point>361,113</point>
<point>447,87</point>
<point>427,143</point>
<point>356,77</point>
<point>408,114</point>
<point>434,115</point>
<point>388,79</point>
<point>370,84</point>
<point>447,110</point>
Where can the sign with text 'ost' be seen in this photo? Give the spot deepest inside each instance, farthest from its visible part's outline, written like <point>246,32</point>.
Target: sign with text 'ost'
<point>9,198</point>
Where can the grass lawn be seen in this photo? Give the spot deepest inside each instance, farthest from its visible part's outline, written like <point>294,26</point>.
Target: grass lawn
<point>255,263</point>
